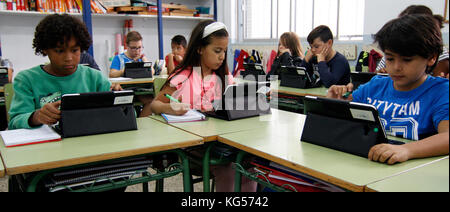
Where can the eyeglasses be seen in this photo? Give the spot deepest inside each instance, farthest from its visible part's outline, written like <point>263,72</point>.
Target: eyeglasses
<point>136,48</point>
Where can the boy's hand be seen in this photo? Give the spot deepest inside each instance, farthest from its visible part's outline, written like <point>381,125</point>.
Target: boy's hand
<point>388,153</point>
<point>178,58</point>
<point>323,54</point>
<point>382,70</point>
<point>338,91</point>
<point>309,55</point>
<point>284,50</point>
<point>49,114</point>
<point>116,87</point>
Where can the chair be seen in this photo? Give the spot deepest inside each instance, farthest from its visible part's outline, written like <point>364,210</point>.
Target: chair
<point>9,93</point>
<point>158,84</point>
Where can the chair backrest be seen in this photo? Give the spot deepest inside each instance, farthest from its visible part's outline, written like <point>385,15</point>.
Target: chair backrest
<point>158,84</point>
<point>9,93</point>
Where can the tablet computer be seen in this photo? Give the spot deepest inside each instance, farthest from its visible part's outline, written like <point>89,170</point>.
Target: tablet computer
<point>347,126</point>
<point>138,70</point>
<point>242,100</point>
<point>359,78</point>
<point>96,99</point>
<point>3,75</point>
<point>96,113</point>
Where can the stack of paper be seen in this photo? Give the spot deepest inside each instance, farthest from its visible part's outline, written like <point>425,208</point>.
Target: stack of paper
<point>190,116</point>
<point>21,137</point>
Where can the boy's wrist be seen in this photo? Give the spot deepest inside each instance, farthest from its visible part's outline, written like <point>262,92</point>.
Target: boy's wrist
<point>33,121</point>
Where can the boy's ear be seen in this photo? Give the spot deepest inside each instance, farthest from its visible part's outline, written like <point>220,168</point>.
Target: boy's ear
<point>432,61</point>
<point>330,42</point>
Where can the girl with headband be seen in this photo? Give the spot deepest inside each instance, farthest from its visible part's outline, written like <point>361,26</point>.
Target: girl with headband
<point>201,78</point>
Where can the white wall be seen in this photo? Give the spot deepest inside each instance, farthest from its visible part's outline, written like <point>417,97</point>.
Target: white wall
<point>378,12</point>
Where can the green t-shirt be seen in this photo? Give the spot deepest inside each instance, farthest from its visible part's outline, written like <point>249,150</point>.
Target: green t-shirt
<point>33,88</point>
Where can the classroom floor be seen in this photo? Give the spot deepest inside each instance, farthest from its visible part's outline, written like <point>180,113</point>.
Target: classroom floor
<point>172,184</point>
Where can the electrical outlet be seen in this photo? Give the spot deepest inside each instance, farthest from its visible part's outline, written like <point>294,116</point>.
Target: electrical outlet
<point>348,50</point>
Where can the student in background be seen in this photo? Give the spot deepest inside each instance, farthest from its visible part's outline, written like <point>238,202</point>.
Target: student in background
<point>38,90</point>
<point>134,53</point>
<point>410,102</point>
<point>87,59</point>
<point>331,65</point>
<point>200,79</point>
<point>290,53</point>
<point>6,63</point>
<point>442,68</point>
<point>173,59</point>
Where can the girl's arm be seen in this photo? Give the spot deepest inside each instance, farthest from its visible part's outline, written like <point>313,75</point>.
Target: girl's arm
<point>162,104</point>
<point>170,63</point>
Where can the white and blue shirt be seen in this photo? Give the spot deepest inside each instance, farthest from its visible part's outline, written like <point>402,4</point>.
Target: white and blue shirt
<point>409,114</point>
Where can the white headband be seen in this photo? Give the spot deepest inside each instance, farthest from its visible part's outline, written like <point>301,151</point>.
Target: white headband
<point>213,27</point>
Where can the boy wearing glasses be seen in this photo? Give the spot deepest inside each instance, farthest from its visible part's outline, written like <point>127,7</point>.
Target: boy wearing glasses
<point>134,53</point>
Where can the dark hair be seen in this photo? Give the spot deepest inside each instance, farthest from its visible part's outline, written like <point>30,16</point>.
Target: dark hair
<point>411,35</point>
<point>416,9</point>
<point>55,30</point>
<point>179,40</point>
<point>292,41</point>
<point>323,32</point>
<point>193,58</point>
<point>133,36</point>
<point>422,9</point>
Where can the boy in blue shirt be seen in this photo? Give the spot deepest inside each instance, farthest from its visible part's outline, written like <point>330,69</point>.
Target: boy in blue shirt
<point>410,103</point>
<point>133,54</point>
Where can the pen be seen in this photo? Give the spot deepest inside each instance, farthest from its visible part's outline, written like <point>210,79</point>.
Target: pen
<point>171,98</point>
<point>346,95</point>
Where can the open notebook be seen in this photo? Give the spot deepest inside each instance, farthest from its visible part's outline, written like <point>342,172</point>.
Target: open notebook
<point>21,137</point>
<point>190,116</point>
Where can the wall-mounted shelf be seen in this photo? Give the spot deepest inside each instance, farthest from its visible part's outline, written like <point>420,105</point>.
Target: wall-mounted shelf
<point>39,14</point>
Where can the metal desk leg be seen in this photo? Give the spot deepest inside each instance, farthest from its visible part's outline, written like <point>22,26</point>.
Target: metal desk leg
<point>186,170</point>
<point>237,175</point>
<point>206,170</point>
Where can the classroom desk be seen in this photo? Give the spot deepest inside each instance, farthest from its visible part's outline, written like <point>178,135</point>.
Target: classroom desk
<point>133,81</point>
<point>276,88</point>
<point>137,81</point>
<point>210,130</point>
<point>433,177</point>
<point>319,92</point>
<point>151,137</point>
<point>280,142</point>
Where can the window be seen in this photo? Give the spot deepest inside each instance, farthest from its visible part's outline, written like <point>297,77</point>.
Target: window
<point>268,19</point>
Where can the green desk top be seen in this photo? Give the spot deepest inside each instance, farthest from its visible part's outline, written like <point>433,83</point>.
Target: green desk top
<point>280,142</point>
<point>321,91</point>
<point>138,80</point>
<point>151,136</point>
<point>276,88</point>
<point>212,128</point>
<point>433,177</point>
